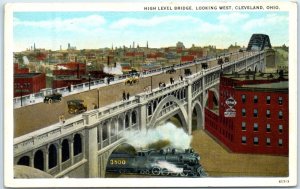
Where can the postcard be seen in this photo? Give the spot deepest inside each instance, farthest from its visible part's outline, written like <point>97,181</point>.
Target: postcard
<point>150,94</point>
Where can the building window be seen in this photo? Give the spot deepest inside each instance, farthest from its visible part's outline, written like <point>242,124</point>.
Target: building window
<point>255,113</point>
<point>268,127</point>
<point>243,98</point>
<point>255,99</point>
<point>268,99</point>
<point>244,126</point>
<point>280,127</point>
<point>268,114</point>
<point>280,142</point>
<point>255,140</point>
<point>268,141</point>
<point>244,139</point>
<point>255,127</point>
<point>280,115</point>
<point>243,112</point>
<point>280,100</point>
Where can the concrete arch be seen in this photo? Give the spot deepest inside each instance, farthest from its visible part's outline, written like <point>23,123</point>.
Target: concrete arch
<point>39,160</point>
<point>182,114</point>
<point>256,69</point>
<point>216,93</point>
<point>24,160</point>
<point>134,117</point>
<point>200,113</point>
<point>77,144</point>
<point>52,156</point>
<point>107,154</point>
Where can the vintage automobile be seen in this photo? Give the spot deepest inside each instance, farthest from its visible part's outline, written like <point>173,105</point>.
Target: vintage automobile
<point>55,97</point>
<point>76,106</point>
<point>134,72</point>
<point>131,80</point>
<point>226,59</point>
<point>220,61</point>
<point>171,71</point>
<point>204,65</point>
<point>187,72</point>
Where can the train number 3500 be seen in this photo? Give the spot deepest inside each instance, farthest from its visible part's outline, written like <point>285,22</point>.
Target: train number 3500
<point>117,162</point>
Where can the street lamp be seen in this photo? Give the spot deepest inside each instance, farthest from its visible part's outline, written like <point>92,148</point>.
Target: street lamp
<point>89,81</point>
<point>21,94</point>
<point>151,83</point>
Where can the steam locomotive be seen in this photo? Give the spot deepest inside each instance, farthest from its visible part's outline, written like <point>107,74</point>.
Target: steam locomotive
<point>165,162</point>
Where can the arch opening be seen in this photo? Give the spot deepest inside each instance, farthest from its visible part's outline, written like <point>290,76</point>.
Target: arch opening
<point>52,156</point>
<point>77,147</point>
<point>25,160</point>
<point>39,160</point>
<point>197,116</point>
<point>120,156</point>
<point>65,150</point>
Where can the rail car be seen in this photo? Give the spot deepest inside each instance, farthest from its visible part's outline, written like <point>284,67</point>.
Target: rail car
<point>165,162</point>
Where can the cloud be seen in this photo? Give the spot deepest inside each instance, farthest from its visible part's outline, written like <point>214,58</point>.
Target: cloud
<point>83,24</point>
<point>154,21</point>
<point>232,18</point>
<point>205,27</point>
<point>270,21</point>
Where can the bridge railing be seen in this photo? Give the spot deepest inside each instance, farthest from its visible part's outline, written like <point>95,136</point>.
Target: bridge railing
<point>42,136</point>
<point>39,97</point>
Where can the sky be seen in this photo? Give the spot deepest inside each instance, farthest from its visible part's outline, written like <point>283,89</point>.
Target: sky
<point>92,30</point>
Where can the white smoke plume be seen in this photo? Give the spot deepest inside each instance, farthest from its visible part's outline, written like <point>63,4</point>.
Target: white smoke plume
<point>113,70</point>
<point>176,137</point>
<point>62,68</point>
<point>169,166</point>
<point>25,60</point>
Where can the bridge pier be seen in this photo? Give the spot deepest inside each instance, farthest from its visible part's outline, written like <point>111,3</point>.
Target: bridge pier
<point>142,113</point>
<point>203,101</point>
<point>189,107</point>
<point>91,144</point>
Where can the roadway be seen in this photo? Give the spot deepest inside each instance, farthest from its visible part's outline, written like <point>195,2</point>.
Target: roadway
<point>39,115</point>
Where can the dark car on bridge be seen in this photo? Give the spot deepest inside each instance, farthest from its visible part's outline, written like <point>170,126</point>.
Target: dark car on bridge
<point>171,71</point>
<point>226,59</point>
<point>55,97</point>
<point>204,65</point>
<point>134,72</point>
<point>187,72</point>
<point>76,106</point>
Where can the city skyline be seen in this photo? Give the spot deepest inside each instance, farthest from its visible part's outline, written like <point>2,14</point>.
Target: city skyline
<point>94,30</point>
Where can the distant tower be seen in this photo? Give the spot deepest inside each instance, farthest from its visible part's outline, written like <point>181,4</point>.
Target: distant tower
<point>60,47</point>
<point>69,45</point>
<point>147,45</point>
<point>112,46</point>
<point>34,46</point>
<point>133,45</point>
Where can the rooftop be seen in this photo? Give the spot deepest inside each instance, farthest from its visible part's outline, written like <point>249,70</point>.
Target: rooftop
<point>26,75</point>
<point>256,76</point>
<point>275,85</point>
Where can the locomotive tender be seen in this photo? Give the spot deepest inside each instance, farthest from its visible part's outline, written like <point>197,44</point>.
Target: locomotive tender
<point>157,162</point>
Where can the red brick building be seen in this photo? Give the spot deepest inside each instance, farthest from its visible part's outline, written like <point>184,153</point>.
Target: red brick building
<point>28,83</point>
<point>187,58</point>
<point>68,74</point>
<point>252,116</point>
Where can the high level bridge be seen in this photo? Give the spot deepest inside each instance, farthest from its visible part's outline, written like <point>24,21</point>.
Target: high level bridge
<point>81,146</point>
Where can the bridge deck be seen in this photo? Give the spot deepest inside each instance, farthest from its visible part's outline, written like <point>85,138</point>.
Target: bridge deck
<point>40,115</point>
